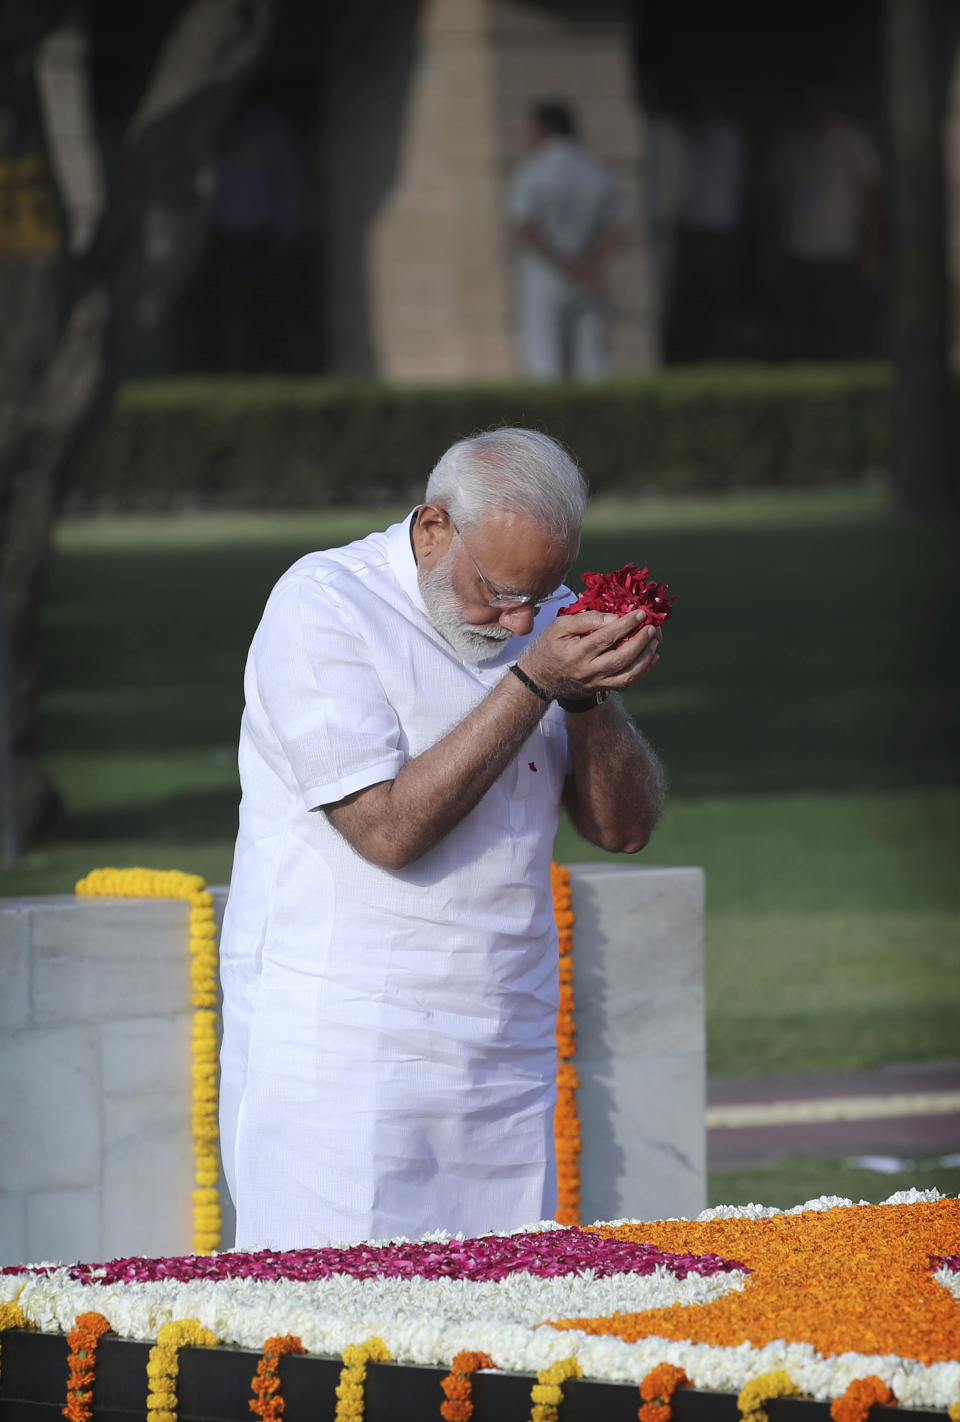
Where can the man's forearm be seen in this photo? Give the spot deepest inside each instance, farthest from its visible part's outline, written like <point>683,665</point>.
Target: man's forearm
<point>397,821</point>
<point>616,790</point>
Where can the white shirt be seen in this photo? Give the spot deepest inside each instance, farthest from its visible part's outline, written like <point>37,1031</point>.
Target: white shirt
<point>821,177</point>
<point>389,1052</point>
<point>568,195</point>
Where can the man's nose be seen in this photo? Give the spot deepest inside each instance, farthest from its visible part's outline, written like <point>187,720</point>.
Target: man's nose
<point>518,620</point>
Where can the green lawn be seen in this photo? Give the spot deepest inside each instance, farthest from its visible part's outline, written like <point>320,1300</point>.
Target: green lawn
<point>805,706</point>
<point>795,1179</point>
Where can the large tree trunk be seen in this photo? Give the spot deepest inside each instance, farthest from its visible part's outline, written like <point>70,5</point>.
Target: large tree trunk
<point>71,322</point>
<point>920,40</point>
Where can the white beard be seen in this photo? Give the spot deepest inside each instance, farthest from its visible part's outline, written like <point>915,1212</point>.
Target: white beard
<point>470,642</point>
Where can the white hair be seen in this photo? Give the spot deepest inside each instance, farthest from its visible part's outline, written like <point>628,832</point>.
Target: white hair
<point>520,471</point>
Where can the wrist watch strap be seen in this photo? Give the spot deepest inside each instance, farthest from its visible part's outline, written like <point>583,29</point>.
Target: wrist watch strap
<point>585,703</point>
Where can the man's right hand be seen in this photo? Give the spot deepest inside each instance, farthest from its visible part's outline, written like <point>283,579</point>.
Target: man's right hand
<point>593,651</point>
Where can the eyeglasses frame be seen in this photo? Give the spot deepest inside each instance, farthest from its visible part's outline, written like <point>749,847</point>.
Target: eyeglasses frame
<point>506,600</point>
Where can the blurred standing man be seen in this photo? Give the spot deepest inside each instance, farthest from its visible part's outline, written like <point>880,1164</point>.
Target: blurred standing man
<point>389,954</point>
<point>564,210</point>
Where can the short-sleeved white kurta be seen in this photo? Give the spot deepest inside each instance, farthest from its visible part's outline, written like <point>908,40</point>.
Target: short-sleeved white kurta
<point>389,1054</point>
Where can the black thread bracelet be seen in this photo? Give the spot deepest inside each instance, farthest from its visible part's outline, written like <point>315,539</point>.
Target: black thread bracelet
<point>581,703</point>
<point>531,685</point>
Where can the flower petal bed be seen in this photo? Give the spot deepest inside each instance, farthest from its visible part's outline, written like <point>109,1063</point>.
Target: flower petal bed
<point>829,1293</point>
<point>544,1254</point>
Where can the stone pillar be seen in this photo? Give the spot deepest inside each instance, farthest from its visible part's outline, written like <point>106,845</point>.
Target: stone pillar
<point>439,258</point>
<point>438,270</point>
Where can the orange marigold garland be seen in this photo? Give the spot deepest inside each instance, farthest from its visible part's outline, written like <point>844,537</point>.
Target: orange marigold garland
<point>83,1339</point>
<point>267,1401</point>
<point>458,1386</point>
<point>860,1396</point>
<point>657,1391</point>
<point>566,1120</point>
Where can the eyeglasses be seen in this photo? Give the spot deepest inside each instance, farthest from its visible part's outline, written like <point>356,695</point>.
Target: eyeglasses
<point>504,599</point>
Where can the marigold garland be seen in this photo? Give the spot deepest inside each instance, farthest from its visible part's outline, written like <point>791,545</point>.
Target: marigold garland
<point>11,1316</point>
<point>546,1394</point>
<point>172,884</point>
<point>953,1411</point>
<point>657,1390</point>
<point>163,1365</point>
<point>458,1386</point>
<point>353,1377</point>
<point>83,1339</point>
<point>860,1396</point>
<point>759,1391</point>
<point>566,1120</point>
<point>267,1401</point>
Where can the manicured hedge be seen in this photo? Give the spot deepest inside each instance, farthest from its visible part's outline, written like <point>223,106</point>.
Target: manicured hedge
<point>259,442</point>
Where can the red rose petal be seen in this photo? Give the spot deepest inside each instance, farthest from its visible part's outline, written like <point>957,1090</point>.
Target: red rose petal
<point>624,590</point>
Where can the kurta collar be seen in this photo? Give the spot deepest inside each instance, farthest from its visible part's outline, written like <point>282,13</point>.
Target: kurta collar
<point>404,567</point>
<point>402,561</point>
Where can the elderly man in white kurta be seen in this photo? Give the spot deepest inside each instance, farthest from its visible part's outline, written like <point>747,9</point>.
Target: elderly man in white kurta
<point>389,956</point>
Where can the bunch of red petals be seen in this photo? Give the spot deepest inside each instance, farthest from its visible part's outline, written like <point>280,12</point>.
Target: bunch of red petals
<point>623,591</point>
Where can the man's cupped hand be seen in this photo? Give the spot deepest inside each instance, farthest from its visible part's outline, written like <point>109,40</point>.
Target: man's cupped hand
<point>593,651</point>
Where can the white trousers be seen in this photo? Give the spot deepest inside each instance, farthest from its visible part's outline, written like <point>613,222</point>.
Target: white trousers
<point>562,327</point>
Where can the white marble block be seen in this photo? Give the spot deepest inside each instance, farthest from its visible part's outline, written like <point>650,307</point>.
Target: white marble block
<point>641,1040</point>
<point>96,1155</point>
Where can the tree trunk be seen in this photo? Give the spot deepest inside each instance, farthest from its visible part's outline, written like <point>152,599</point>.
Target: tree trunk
<point>920,38</point>
<point>71,324</point>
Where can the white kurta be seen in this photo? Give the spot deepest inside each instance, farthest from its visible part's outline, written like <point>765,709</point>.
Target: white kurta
<point>389,1054</point>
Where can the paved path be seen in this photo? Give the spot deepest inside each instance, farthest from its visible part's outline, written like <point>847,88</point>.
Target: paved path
<point>910,1111</point>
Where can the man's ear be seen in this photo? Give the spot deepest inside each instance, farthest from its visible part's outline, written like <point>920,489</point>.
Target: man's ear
<point>432,531</point>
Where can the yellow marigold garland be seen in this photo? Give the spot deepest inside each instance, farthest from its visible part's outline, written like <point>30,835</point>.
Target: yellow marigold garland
<point>172,884</point>
<point>163,1365</point>
<point>566,1120</point>
<point>83,1339</point>
<point>11,1316</point>
<point>353,1377</point>
<point>759,1391</point>
<point>953,1411</point>
<point>546,1394</point>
